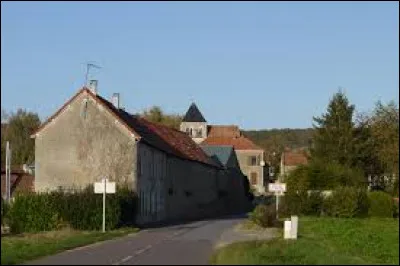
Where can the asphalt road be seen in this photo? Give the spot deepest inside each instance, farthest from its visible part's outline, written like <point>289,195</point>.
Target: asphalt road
<point>188,244</point>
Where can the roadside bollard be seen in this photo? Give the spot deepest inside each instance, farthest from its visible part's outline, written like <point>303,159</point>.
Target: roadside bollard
<point>287,229</point>
<point>294,226</point>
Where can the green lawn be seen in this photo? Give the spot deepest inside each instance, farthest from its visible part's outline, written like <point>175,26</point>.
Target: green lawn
<point>19,248</point>
<point>322,241</point>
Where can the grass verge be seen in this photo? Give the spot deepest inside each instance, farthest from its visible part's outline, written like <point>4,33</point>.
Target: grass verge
<point>322,241</point>
<point>16,249</point>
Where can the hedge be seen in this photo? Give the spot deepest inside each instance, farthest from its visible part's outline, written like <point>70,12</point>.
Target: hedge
<point>346,202</point>
<point>343,202</point>
<point>381,204</point>
<point>81,210</point>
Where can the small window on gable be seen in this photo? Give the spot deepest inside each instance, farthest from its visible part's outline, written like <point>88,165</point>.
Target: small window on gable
<point>84,108</point>
<point>252,160</point>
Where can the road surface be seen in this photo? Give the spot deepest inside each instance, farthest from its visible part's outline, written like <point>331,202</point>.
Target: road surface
<point>190,243</point>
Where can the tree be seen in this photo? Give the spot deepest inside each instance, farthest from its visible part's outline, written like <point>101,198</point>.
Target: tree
<point>384,124</point>
<point>156,115</point>
<point>334,133</point>
<point>17,131</point>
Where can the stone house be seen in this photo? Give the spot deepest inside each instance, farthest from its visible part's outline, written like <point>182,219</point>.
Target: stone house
<point>290,160</point>
<point>90,137</point>
<point>250,156</point>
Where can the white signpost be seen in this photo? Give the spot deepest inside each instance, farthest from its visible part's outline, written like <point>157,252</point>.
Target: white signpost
<point>279,189</point>
<point>104,187</point>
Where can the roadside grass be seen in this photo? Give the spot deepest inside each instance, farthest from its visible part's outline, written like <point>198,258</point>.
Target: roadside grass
<point>20,248</point>
<point>322,241</point>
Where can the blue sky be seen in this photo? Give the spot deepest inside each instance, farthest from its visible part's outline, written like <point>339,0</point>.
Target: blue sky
<point>255,64</point>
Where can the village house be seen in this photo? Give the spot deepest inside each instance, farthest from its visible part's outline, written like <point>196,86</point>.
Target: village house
<point>290,160</point>
<point>250,156</point>
<point>90,137</point>
<point>21,181</point>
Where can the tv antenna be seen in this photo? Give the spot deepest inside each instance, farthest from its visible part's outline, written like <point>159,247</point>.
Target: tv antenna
<point>88,67</point>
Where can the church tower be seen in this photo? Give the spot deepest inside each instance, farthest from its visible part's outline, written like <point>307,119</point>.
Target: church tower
<point>194,124</point>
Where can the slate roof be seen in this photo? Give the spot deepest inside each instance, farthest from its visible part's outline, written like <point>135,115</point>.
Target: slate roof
<point>193,114</point>
<point>222,153</point>
<point>161,137</point>
<point>240,143</point>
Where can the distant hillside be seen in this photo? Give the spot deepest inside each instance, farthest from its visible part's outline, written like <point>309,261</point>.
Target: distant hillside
<point>275,140</point>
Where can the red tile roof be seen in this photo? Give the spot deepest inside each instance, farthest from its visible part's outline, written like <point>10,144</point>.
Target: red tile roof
<point>294,158</point>
<point>240,143</point>
<point>223,131</point>
<point>158,136</point>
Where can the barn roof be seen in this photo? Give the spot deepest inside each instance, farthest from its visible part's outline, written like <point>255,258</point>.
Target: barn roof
<point>161,137</point>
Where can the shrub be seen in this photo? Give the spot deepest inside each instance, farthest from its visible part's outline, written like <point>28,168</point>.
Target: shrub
<point>4,211</point>
<point>312,204</point>
<point>346,202</point>
<point>264,215</point>
<point>301,203</point>
<point>82,210</point>
<point>32,213</point>
<point>380,204</point>
<point>320,175</point>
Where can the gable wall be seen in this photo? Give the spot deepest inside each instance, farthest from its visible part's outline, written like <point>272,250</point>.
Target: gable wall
<point>74,151</point>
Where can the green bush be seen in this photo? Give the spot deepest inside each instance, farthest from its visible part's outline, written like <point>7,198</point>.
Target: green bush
<point>301,203</point>
<point>396,208</point>
<point>264,215</point>
<point>346,202</point>
<point>380,204</point>
<point>4,211</point>
<point>33,213</point>
<point>319,175</point>
<point>82,210</point>
<point>313,204</point>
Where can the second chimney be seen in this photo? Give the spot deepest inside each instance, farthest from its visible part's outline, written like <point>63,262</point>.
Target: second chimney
<point>93,86</point>
<point>115,100</point>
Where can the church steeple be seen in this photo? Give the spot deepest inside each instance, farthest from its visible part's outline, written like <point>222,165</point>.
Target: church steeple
<point>193,114</point>
<point>194,124</point>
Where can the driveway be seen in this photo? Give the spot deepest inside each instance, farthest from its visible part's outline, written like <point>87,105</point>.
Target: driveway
<point>190,243</point>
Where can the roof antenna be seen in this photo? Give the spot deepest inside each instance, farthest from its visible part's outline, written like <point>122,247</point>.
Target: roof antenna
<point>88,67</point>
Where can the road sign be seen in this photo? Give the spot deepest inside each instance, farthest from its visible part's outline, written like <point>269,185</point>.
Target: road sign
<point>104,187</point>
<point>277,187</point>
<point>109,186</point>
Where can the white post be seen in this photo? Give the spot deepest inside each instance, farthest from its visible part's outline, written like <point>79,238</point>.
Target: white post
<point>294,225</point>
<point>277,205</point>
<point>6,172</point>
<point>104,206</point>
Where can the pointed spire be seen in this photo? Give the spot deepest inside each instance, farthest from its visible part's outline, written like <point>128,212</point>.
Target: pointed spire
<point>193,114</point>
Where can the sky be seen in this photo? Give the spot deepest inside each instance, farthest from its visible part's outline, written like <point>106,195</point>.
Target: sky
<point>259,65</point>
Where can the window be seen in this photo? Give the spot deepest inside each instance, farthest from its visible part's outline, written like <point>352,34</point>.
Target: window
<point>253,160</point>
<point>253,178</point>
<point>188,131</point>
<point>199,133</point>
<point>191,132</point>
